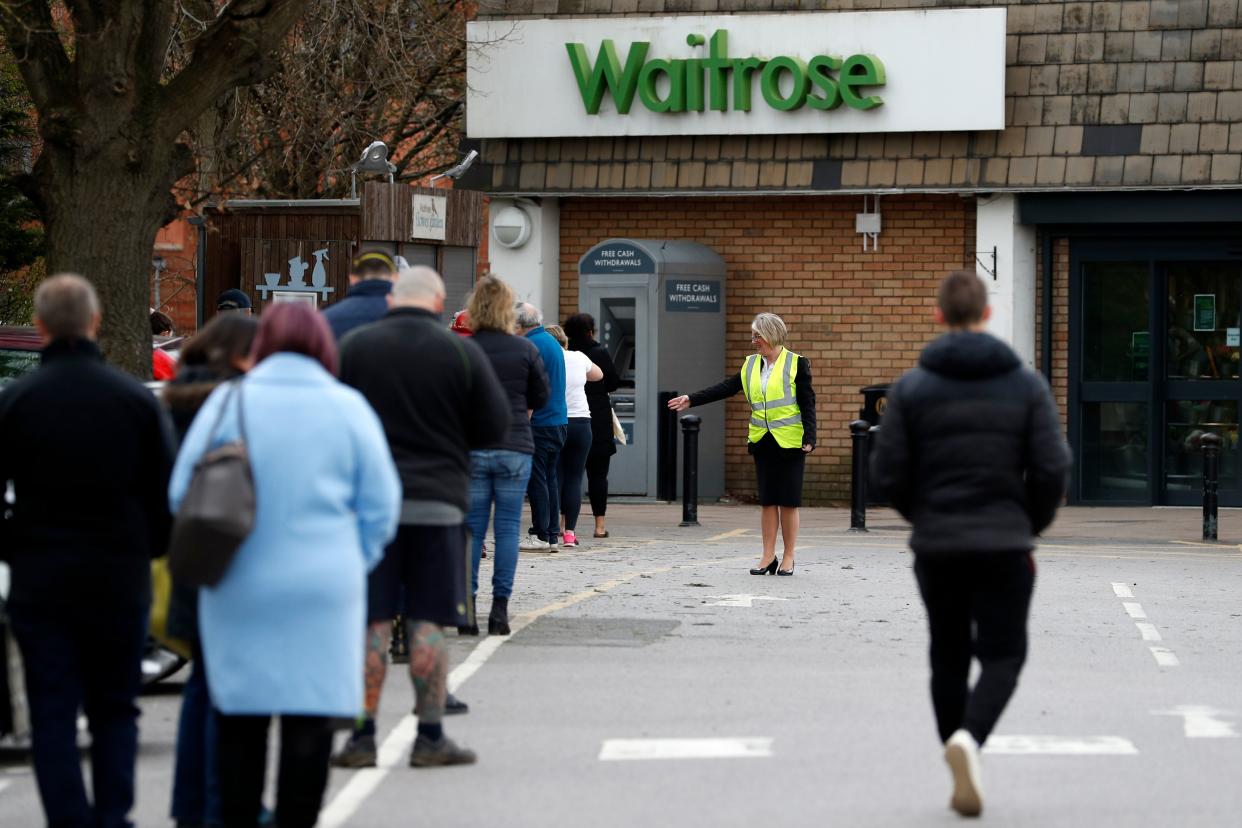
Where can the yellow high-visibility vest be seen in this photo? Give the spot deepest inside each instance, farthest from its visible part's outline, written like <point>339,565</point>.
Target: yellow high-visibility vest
<point>774,406</point>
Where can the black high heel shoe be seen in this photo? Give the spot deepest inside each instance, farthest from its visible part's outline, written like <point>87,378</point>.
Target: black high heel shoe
<point>770,569</point>
<point>786,572</point>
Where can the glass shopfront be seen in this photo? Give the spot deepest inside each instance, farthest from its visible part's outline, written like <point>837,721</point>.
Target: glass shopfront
<point>1154,366</point>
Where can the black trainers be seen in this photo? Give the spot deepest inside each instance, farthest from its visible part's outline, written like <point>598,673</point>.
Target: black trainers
<point>358,752</point>
<point>454,706</point>
<point>429,754</point>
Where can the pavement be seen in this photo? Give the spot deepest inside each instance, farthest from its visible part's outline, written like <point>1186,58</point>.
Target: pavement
<point>651,680</point>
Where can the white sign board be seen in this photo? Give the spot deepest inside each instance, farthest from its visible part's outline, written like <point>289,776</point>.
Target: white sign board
<point>801,73</point>
<point>430,217</point>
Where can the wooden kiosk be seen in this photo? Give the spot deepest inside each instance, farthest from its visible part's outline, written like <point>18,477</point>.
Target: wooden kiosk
<point>300,250</point>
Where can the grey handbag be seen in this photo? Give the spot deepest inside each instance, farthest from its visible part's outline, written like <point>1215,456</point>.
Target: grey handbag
<point>217,512</point>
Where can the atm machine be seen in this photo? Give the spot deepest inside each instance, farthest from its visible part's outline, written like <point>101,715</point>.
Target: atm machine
<point>659,309</point>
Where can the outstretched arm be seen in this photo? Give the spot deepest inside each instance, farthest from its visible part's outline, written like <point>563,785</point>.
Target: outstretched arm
<point>720,391</point>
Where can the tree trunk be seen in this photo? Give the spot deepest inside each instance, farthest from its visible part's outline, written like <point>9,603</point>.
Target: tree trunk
<point>101,223</point>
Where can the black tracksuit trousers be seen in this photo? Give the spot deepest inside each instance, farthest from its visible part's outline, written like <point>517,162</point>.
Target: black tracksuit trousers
<point>977,605</point>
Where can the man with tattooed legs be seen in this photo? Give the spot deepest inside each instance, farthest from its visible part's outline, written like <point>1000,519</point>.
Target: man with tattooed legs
<point>437,397</point>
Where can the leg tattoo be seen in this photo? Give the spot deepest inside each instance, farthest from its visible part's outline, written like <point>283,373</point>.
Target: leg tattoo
<point>428,669</point>
<point>376,665</point>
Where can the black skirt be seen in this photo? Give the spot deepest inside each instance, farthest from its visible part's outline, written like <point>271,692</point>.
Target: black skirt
<point>779,472</point>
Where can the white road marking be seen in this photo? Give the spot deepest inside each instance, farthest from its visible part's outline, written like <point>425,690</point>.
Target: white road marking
<point>1060,746</point>
<point>1135,610</point>
<point>1122,591</point>
<point>1149,631</point>
<point>1202,722</point>
<point>1164,656</point>
<point>732,533</point>
<point>741,600</point>
<point>4,783</point>
<point>638,749</point>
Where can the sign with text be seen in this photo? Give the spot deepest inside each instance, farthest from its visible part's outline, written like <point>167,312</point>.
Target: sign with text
<point>692,296</point>
<point>430,217</point>
<point>765,74</point>
<point>617,258</point>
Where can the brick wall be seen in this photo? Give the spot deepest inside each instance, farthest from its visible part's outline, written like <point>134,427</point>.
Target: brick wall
<point>860,318</point>
<point>1099,94</point>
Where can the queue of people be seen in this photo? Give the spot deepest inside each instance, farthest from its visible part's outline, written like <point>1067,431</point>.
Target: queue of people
<point>379,442</point>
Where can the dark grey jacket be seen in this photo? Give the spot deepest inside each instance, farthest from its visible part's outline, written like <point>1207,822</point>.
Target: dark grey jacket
<point>970,450</point>
<point>520,370</point>
<point>435,393</point>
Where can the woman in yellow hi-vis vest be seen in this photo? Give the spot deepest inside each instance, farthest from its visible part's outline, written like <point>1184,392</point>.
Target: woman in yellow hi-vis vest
<point>777,384</point>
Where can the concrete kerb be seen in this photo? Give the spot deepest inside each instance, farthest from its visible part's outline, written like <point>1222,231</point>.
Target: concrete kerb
<point>1087,525</point>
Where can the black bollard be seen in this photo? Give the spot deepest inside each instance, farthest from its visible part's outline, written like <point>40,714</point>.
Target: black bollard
<point>1211,473</point>
<point>690,471</point>
<point>666,451</point>
<point>860,434</point>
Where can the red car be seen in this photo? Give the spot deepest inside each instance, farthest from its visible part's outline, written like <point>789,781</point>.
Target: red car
<point>19,352</point>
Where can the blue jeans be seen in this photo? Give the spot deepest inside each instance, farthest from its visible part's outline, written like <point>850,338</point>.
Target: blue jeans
<point>572,466</point>
<point>545,487</point>
<point>499,477</point>
<point>196,782</point>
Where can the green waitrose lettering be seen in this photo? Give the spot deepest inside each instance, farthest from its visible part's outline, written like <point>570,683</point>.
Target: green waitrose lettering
<point>823,83</point>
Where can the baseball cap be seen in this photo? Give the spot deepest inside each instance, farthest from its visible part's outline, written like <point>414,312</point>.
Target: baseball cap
<point>233,299</point>
<point>372,258</point>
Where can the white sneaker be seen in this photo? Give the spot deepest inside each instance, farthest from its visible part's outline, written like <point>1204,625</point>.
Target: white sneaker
<point>532,543</point>
<point>962,754</point>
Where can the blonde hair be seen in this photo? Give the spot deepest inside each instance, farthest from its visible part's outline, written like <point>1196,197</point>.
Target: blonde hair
<point>490,306</point>
<point>558,333</point>
<point>772,328</point>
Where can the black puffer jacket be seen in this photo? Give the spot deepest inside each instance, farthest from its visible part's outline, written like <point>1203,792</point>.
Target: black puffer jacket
<point>970,450</point>
<point>520,370</point>
<point>602,441</point>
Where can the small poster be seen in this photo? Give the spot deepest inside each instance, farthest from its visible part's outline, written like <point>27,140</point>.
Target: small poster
<point>1232,340</point>
<point>1205,311</point>
<point>430,217</point>
<point>311,299</point>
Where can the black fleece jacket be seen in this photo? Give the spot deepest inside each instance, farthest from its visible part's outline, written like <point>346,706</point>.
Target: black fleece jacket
<point>436,394</point>
<point>89,452</point>
<point>970,449</point>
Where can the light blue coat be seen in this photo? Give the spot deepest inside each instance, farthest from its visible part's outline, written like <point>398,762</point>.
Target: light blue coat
<point>283,631</point>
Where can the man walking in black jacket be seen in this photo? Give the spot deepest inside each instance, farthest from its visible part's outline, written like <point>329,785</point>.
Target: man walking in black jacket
<point>971,453</point>
<point>438,398</point>
<point>88,453</point>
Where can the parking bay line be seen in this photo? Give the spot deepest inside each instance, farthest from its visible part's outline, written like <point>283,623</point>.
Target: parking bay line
<point>708,748</point>
<point>1060,746</point>
<point>395,747</point>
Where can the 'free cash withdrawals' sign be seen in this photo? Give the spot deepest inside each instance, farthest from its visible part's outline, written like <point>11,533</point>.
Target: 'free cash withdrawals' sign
<point>692,296</point>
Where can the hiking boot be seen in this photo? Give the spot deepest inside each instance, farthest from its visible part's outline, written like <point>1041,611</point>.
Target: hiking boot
<point>429,754</point>
<point>358,752</point>
<point>962,754</point>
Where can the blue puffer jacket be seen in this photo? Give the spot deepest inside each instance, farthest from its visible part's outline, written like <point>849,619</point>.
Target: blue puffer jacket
<point>365,303</point>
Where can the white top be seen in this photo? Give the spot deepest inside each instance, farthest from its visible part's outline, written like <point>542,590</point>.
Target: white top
<point>577,364</point>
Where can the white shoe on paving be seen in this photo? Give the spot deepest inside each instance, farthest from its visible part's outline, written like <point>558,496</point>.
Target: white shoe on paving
<point>532,543</point>
<point>962,754</point>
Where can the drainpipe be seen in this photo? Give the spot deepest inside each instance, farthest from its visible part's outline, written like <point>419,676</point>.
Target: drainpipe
<point>1046,338</point>
<point>200,269</point>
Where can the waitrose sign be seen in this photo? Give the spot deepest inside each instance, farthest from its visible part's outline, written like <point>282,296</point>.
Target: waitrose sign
<point>824,72</point>
<point>690,85</point>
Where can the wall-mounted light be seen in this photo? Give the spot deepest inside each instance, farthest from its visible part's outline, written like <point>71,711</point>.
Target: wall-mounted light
<point>374,160</point>
<point>511,226</point>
